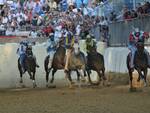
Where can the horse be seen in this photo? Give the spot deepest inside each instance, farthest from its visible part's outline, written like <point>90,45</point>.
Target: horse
<point>58,63</point>
<point>140,64</point>
<point>95,62</point>
<point>30,66</point>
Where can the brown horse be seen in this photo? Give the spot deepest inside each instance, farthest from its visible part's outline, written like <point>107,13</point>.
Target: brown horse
<point>95,62</point>
<point>30,66</point>
<point>76,64</point>
<point>140,62</point>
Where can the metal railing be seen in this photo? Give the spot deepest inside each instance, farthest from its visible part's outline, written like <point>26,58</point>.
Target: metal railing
<point>119,31</point>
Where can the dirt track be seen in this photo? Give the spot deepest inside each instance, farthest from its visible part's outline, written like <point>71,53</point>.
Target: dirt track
<point>113,99</point>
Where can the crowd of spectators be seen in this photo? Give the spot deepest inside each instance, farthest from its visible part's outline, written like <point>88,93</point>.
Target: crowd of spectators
<point>43,17</point>
<point>128,14</point>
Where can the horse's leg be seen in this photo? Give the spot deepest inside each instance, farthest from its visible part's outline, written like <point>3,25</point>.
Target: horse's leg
<point>47,70</point>
<point>47,78</point>
<point>19,68</point>
<point>103,76</point>
<point>33,80</point>
<point>88,73</point>
<point>99,77</point>
<point>21,80</point>
<point>53,73</point>
<point>81,71</point>
<point>131,78</point>
<point>140,74</point>
<point>31,77</point>
<point>145,77</point>
<point>68,76</point>
<point>78,75</point>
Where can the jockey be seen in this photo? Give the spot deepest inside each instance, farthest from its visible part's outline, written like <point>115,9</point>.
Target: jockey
<point>90,43</point>
<point>21,51</point>
<point>134,37</point>
<point>51,47</point>
<point>69,43</point>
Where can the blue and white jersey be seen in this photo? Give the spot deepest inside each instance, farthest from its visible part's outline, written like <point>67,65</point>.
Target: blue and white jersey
<point>51,45</point>
<point>22,49</point>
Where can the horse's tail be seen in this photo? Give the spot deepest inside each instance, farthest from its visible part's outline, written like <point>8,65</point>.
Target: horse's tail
<point>46,61</point>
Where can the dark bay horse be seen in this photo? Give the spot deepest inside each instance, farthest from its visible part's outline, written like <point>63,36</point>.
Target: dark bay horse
<point>30,66</point>
<point>140,63</point>
<point>95,62</point>
<point>76,64</point>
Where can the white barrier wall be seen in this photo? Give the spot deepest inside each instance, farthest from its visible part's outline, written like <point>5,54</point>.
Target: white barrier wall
<point>115,59</point>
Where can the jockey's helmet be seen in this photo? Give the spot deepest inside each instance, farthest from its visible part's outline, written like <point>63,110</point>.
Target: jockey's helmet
<point>51,34</point>
<point>30,45</point>
<point>88,38</point>
<point>136,30</point>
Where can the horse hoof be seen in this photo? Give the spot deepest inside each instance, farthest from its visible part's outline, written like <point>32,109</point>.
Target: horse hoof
<point>34,86</point>
<point>23,86</point>
<point>104,78</point>
<point>72,83</point>
<point>21,81</point>
<point>145,85</point>
<point>71,87</point>
<point>138,80</point>
<point>108,84</point>
<point>52,86</point>
<point>83,80</point>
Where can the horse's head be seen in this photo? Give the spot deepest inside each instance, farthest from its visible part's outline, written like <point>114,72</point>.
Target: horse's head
<point>29,51</point>
<point>140,47</point>
<point>76,49</point>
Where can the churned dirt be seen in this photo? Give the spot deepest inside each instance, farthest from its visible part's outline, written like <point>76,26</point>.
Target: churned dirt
<point>85,99</point>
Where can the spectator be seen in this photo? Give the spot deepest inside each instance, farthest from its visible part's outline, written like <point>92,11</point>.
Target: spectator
<point>113,17</point>
<point>140,10</point>
<point>126,13</point>
<point>134,14</point>
<point>37,8</point>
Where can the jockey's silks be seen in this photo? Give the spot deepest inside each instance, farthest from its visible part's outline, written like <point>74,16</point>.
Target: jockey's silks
<point>69,41</point>
<point>135,37</point>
